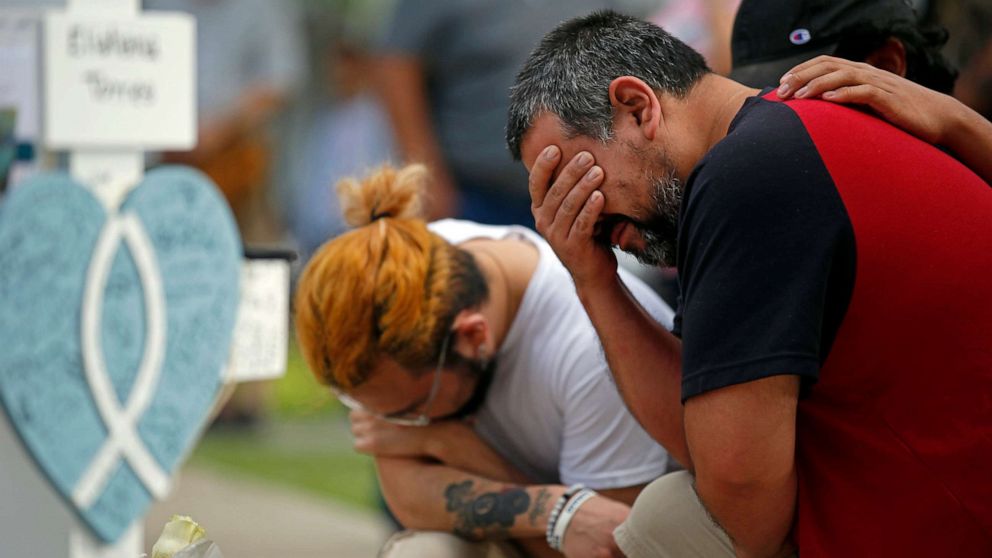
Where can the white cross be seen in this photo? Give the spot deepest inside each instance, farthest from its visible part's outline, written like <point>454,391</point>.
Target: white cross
<point>106,153</point>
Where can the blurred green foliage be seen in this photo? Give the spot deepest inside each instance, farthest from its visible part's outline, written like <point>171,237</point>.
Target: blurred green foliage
<point>303,443</point>
<point>321,470</point>
<point>298,395</point>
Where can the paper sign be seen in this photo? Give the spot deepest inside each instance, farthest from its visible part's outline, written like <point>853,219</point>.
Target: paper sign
<point>261,333</point>
<point>118,7</point>
<point>114,83</point>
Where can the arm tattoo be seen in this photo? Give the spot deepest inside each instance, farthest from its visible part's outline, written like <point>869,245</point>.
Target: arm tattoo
<point>540,506</point>
<point>487,515</point>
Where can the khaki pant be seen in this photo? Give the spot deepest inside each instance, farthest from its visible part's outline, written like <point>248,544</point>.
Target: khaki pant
<point>668,521</point>
<point>435,544</point>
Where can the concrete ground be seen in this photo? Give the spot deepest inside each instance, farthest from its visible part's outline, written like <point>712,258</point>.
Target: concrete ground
<point>248,519</point>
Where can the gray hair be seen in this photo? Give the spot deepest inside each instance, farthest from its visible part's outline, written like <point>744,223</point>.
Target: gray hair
<point>569,73</point>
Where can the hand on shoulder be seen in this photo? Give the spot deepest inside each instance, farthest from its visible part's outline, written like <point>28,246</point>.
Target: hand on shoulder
<point>925,113</point>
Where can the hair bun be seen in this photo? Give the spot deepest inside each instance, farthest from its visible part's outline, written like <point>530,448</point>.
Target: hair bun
<point>385,192</point>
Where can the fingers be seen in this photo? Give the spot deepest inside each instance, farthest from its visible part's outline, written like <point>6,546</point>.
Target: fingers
<point>371,435</point>
<point>845,85</point>
<point>363,444</point>
<point>560,195</point>
<point>574,209</point>
<point>359,423</point>
<point>566,215</point>
<point>842,77</point>
<point>822,60</point>
<point>357,416</point>
<point>801,76</point>
<point>585,223</point>
<point>540,174</point>
<point>360,432</point>
<point>857,94</point>
<point>363,428</point>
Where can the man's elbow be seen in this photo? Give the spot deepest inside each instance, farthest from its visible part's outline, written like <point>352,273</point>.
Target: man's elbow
<point>402,511</point>
<point>402,503</point>
<point>775,489</point>
<point>731,475</point>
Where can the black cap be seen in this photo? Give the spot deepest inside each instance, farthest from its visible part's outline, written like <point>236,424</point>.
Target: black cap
<point>772,36</point>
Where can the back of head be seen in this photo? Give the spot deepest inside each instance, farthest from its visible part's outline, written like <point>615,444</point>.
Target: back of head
<point>569,73</point>
<point>772,36</point>
<point>390,287</point>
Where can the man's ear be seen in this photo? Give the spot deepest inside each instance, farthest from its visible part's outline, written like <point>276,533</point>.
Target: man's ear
<point>635,103</point>
<point>471,330</point>
<point>891,57</point>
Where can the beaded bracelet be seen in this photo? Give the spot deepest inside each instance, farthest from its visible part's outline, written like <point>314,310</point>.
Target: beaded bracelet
<point>556,511</point>
<point>565,517</point>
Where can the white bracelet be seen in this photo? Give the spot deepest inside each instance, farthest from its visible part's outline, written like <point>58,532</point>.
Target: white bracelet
<point>565,517</point>
<point>556,510</point>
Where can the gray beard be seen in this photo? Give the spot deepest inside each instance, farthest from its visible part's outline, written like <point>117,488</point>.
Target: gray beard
<point>661,232</point>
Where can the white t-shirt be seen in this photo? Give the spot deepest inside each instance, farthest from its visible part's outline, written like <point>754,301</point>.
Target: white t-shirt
<point>552,409</point>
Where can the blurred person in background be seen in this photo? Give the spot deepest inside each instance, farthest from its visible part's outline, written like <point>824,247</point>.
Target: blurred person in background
<point>444,70</point>
<point>417,327</point>
<point>771,36</point>
<point>339,128</point>
<point>702,24</point>
<point>788,50</point>
<point>347,135</point>
<point>969,48</point>
<point>248,65</point>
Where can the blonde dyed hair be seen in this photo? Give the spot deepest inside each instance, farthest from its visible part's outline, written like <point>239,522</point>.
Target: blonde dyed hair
<point>390,287</point>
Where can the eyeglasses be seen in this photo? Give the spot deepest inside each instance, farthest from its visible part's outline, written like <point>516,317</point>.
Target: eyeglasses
<point>404,418</point>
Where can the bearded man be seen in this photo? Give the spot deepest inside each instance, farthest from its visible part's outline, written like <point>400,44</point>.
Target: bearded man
<point>829,380</point>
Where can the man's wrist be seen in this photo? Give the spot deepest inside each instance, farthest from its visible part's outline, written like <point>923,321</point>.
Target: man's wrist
<point>542,501</point>
<point>601,288</point>
<point>957,129</point>
<point>436,441</point>
<point>564,510</point>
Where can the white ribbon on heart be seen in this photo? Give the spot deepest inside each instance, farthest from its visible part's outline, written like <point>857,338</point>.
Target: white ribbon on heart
<point>122,439</point>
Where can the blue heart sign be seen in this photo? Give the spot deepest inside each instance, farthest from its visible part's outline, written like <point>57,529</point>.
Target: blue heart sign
<point>116,326</point>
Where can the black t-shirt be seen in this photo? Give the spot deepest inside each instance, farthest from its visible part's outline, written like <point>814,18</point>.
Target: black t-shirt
<point>765,255</point>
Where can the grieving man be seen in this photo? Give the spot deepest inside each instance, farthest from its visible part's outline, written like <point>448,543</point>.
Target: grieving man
<point>831,348</point>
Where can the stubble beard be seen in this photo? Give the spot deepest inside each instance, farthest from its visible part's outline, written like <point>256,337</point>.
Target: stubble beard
<point>660,231</point>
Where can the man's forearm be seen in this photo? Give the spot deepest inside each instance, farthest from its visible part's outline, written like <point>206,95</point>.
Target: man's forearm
<point>645,360</point>
<point>432,496</point>
<point>743,443</point>
<point>460,447</point>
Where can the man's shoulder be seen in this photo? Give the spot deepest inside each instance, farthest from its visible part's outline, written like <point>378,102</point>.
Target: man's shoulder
<point>768,130</point>
<point>764,132</point>
<point>767,176</point>
<point>768,156</point>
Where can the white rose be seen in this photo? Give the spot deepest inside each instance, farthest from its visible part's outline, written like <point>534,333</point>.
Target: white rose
<point>180,532</point>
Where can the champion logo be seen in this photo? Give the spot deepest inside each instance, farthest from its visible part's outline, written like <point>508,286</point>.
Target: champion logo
<point>800,36</point>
